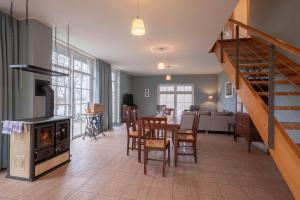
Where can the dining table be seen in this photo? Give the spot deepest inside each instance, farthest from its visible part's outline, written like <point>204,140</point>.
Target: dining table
<point>173,125</point>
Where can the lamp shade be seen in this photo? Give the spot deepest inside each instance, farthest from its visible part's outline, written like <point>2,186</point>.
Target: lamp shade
<point>210,97</point>
<point>138,27</point>
<point>168,77</point>
<point>161,65</point>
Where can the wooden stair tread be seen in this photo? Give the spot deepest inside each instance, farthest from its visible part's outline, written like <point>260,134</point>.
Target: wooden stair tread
<point>287,108</point>
<point>280,93</point>
<point>265,82</point>
<point>287,82</point>
<point>291,125</point>
<point>255,73</point>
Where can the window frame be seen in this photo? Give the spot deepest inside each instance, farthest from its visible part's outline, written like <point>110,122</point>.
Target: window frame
<point>116,95</point>
<point>175,92</point>
<point>74,52</point>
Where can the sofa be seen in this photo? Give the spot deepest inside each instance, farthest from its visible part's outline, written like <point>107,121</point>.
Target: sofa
<point>214,121</point>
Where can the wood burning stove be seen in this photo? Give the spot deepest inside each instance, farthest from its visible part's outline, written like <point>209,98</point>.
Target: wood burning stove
<point>51,139</point>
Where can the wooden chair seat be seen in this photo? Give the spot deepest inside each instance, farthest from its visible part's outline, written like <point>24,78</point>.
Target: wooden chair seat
<point>147,130</point>
<point>158,144</point>
<point>133,133</point>
<point>185,132</point>
<point>185,137</point>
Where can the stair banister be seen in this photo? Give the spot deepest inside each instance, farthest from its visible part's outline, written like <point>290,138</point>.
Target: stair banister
<point>271,39</point>
<point>271,88</point>
<point>222,47</point>
<point>237,64</point>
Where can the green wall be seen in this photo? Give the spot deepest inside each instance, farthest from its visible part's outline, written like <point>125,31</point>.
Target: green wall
<point>204,85</point>
<point>224,103</point>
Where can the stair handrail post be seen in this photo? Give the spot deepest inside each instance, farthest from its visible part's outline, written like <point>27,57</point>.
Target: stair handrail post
<point>271,89</point>
<point>237,64</point>
<point>222,47</point>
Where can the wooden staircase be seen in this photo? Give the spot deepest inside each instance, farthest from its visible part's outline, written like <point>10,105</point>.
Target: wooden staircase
<point>253,78</point>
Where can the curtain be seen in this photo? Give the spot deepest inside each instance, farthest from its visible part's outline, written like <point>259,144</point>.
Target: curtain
<point>103,91</point>
<point>7,78</point>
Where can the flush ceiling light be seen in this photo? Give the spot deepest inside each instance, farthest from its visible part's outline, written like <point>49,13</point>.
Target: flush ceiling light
<point>168,77</point>
<point>138,27</point>
<point>210,97</point>
<point>161,66</point>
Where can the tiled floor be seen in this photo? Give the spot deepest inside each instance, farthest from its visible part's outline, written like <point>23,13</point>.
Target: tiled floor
<point>100,170</point>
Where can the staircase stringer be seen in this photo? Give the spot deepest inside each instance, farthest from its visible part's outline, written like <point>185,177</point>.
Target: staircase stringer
<point>285,153</point>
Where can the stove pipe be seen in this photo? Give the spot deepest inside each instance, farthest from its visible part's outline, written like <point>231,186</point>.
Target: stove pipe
<point>43,88</point>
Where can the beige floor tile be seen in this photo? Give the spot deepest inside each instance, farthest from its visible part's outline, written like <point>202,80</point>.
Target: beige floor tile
<point>159,193</point>
<point>232,192</point>
<point>105,197</point>
<point>57,194</point>
<point>184,194</point>
<point>78,195</point>
<point>114,189</point>
<point>13,189</point>
<point>210,197</point>
<point>36,193</point>
<point>163,182</point>
<point>134,191</point>
<point>207,189</point>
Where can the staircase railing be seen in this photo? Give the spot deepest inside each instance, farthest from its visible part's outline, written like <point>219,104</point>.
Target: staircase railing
<point>276,42</point>
<point>271,73</point>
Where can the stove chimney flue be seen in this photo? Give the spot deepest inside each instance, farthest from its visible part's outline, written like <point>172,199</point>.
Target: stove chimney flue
<point>43,88</point>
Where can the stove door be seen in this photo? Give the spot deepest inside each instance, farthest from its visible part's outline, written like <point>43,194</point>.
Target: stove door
<point>44,136</point>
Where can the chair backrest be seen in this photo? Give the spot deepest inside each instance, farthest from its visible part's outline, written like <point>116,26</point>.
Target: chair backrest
<point>127,117</point>
<point>196,123</point>
<point>194,108</point>
<point>169,111</point>
<point>134,118</point>
<point>187,120</point>
<point>157,127</point>
<point>161,108</point>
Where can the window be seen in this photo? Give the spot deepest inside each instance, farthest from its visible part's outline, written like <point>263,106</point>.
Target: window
<point>61,85</point>
<point>115,79</point>
<point>179,96</point>
<point>72,94</point>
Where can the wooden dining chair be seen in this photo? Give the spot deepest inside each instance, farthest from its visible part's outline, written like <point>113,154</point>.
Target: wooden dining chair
<point>160,108</point>
<point>134,118</point>
<point>187,136</point>
<point>156,139</point>
<point>133,133</point>
<point>170,111</point>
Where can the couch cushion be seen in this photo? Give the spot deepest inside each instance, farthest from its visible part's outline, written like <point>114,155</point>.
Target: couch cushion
<point>222,113</point>
<point>204,112</point>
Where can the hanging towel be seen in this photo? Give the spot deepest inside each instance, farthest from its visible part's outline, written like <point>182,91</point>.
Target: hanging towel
<point>10,127</point>
<point>18,127</point>
<point>7,127</point>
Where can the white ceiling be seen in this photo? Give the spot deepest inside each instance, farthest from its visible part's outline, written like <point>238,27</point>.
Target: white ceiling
<point>102,28</point>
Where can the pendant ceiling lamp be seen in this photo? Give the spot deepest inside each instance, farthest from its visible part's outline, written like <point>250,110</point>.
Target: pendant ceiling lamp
<point>161,65</point>
<point>168,77</point>
<point>138,27</point>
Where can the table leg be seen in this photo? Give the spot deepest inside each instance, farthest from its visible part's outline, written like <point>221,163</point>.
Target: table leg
<point>139,149</point>
<point>173,134</point>
<point>175,150</point>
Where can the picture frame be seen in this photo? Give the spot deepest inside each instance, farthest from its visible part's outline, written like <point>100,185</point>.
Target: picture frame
<point>228,90</point>
<point>147,93</point>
